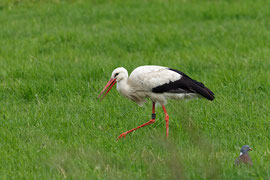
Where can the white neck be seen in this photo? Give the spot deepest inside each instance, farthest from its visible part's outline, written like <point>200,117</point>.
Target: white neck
<point>241,153</point>
<point>123,87</point>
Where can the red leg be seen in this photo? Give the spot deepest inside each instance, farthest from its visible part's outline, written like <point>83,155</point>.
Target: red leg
<point>145,124</point>
<point>167,120</point>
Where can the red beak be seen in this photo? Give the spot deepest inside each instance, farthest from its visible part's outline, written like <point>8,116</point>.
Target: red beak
<point>110,84</point>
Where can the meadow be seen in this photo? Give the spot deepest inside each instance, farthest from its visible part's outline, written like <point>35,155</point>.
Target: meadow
<point>57,55</point>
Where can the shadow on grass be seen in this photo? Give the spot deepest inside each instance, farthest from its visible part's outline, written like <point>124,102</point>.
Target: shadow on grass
<point>85,163</point>
<point>154,157</point>
<point>195,158</point>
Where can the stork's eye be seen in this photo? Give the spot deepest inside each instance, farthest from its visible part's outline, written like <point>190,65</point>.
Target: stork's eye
<point>116,74</point>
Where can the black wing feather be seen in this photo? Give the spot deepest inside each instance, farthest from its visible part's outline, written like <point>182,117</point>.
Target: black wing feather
<point>185,85</point>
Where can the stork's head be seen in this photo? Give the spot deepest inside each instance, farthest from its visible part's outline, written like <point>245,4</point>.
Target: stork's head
<point>245,149</point>
<point>117,75</point>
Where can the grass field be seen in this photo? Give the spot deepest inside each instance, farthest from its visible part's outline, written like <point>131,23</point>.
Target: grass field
<point>56,56</point>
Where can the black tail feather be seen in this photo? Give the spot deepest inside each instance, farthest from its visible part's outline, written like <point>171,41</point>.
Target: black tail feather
<point>185,85</point>
<point>199,88</point>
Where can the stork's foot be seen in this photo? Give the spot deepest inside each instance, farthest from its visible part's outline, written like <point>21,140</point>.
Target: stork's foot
<point>123,135</point>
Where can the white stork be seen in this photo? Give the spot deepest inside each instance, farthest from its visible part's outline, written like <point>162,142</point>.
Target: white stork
<point>157,83</point>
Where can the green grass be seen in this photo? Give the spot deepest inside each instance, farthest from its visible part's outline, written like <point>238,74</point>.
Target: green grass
<point>56,56</point>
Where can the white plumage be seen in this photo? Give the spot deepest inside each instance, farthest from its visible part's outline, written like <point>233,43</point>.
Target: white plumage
<point>153,76</point>
<point>143,79</point>
<point>158,84</point>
